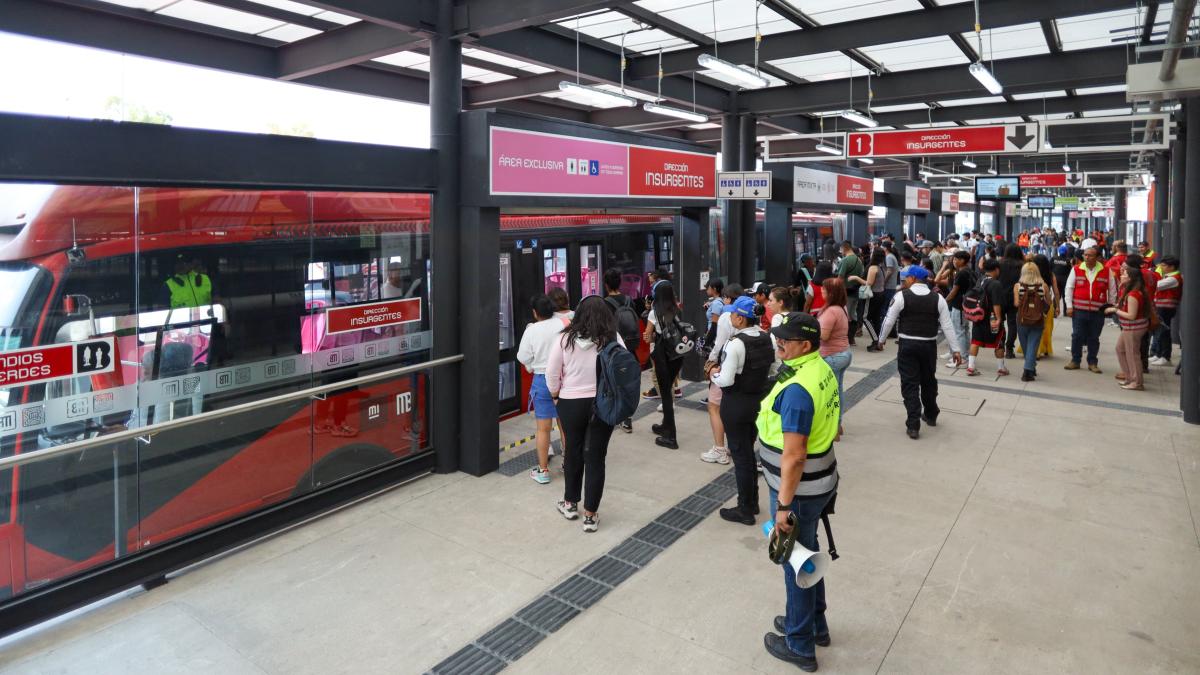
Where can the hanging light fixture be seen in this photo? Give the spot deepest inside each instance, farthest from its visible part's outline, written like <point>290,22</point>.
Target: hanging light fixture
<point>858,118</point>
<point>828,149</point>
<point>594,95</point>
<point>980,71</point>
<point>746,77</point>
<point>992,169</point>
<point>670,111</point>
<point>969,164</point>
<point>955,179</point>
<point>866,160</point>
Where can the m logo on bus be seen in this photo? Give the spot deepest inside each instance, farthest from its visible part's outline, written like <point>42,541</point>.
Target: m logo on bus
<point>404,403</point>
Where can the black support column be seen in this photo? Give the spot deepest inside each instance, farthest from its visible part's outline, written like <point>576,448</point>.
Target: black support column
<point>778,246</point>
<point>1189,253</point>
<point>1162,194</point>
<point>731,211</point>
<point>446,293</point>
<point>1178,176</point>
<point>690,225</point>
<point>1120,214</point>
<point>748,244</point>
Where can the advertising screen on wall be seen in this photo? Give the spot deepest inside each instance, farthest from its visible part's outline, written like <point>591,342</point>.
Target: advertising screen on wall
<point>1040,201</point>
<point>999,188</point>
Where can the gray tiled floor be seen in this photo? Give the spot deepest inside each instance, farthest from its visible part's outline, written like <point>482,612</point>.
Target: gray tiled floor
<point>1036,536</point>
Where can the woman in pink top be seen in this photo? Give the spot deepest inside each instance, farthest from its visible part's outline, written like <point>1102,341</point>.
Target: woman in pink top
<point>835,328</point>
<point>571,379</point>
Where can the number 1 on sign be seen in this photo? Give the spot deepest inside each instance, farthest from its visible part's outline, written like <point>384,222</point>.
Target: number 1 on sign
<point>860,144</point>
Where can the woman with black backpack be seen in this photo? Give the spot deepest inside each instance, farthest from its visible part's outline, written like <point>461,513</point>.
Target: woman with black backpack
<point>571,375</point>
<point>668,345</point>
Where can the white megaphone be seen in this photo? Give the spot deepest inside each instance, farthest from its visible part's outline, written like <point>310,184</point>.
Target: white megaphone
<point>810,566</point>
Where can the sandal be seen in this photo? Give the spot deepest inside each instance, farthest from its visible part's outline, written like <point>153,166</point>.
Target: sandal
<point>1133,387</point>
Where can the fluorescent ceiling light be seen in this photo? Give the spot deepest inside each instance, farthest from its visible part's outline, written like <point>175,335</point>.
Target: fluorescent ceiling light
<point>1066,167</point>
<point>858,118</point>
<point>866,160</point>
<point>596,95</point>
<point>925,173</point>
<point>992,171</point>
<point>955,179</point>
<point>830,149</point>
<point>986,78</point>
<point>969,164</point>
<point>743,75</point>
<point>675,112</point>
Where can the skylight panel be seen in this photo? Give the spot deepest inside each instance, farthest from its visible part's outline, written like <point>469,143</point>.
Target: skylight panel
<point>336,18</point>
<point>502,60</point>
<point>826,12</point>
<point>220,17</point>
<point>1111,112</point>
<point>1095,30</point>
<point>487,77</point>
<point>290,32</point>
<point>148,5</point>
<point>1110,89</point>
<point>820,67</point>
<point>914,54</point>
<point>1010,42</point>
<point>289,6</point>
<point>405,59</point>
<point>1039,95</point>
<point>735,18</point>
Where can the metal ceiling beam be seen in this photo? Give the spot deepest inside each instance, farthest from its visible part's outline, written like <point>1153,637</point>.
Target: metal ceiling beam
<point>276,13</point>
<point>556,51</point>
<point>344,46</point>
<point>406,15</point>
<point>477,18</point>
<point>804,21</point>
<point>1148,26</point>
<point>918,24</point>
<point>666,25</point>
<point>509,90</point>
<point>1045,72</point>
<point>994,110</point>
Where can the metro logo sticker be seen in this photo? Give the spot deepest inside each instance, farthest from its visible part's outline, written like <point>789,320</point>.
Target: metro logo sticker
<point>372,315</point>
<point>56,362</point>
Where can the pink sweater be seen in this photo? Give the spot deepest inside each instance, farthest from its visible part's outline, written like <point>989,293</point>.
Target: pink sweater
<point>571,373</point>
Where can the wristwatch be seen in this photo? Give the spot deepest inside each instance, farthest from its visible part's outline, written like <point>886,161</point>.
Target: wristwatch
<point>779,506</point>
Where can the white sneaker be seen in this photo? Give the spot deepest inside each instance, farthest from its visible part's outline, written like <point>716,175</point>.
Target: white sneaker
<point>951,364</point>
<point>715,455</point>
<point>1159,361</point>
<point>539,476</point>
<point>659,409</point>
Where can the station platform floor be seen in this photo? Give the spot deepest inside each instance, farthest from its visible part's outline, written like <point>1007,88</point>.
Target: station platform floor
<point>1047,527</point>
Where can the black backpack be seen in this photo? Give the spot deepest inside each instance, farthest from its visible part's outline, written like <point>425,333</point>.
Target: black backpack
<point>628,326</point>
<point>618,383</point>
<point>973,308</point>
<point>676,337</point>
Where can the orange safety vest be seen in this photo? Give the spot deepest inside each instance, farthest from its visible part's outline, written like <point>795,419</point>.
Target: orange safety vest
<point>1089,295</point>
<point>1169,297</point>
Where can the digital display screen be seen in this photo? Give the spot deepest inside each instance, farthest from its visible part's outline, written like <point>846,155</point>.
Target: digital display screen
<point>999,188</point>
<point>1040,201</point>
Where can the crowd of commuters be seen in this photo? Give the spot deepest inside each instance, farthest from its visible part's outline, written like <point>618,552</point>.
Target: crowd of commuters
<point>775,358</point>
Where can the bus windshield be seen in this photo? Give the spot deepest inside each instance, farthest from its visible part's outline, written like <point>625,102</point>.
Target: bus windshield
<point>16,324</point>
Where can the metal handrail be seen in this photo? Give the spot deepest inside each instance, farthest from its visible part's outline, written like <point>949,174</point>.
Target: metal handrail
<point>159,427</point>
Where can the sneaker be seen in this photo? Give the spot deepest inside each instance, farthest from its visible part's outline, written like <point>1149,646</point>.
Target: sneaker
<point>665,442</point>
<point>1071,365</point>
<point>738,514</point>
<point>627,426</point>
<point>1094,368</point>
<point>590,522</point>
<point>1002,371</point>
<point>715,455</point>
<point>569,510</point>
<point>650,393</point>
<point>971,372</point>
<point>659,408</point>
<point>951,364</point>
<point>539,476</point>
<point>678,392</point>
<point>1159,361</point>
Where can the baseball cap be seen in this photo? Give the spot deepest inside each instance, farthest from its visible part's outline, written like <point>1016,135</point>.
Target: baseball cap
<point>797,326</point>
<point>916,272</point>
<point>925,243</point>
<point>743,306</point>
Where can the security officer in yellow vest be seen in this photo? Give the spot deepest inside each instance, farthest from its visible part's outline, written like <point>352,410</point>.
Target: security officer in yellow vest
<point>188,287</point>
<point>797,425</point>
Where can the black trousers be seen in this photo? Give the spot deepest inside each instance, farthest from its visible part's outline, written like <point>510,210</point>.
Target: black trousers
<point>917,362</point>
<point>665,372</point>
<point>586,438</point>
<point>1010,320</point>
<point>738,413</point>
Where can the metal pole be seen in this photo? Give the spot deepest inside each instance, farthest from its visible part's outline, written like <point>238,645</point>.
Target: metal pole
<point>731,212</point>
<point>445,103</point>
<point>1178,175</point>
<point>1162,193</point>
<point>1120,214</point>
<point>747,151</point>
<point>1189,394</point>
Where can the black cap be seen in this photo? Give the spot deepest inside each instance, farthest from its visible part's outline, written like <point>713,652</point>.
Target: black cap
<point>798,326</point>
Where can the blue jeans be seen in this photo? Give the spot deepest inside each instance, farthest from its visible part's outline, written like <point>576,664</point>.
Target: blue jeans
<point>1031,337</point>
<point>805,616</point>
<point>839,362</point>
<point>1085,328</point>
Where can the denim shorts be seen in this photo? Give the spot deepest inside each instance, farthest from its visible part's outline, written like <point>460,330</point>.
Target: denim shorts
<point>539,399</point>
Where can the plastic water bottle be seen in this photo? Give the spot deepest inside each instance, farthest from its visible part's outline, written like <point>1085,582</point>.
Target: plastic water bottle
<point>767,527</point>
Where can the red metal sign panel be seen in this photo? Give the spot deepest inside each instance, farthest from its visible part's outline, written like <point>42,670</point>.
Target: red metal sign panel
<point>855,190</point>
<point>949,202</point>
<point>42,364</point>
<point>668,173</point>
<point>372,315</point>
<point>1051,180</point>
<point>998,139</point>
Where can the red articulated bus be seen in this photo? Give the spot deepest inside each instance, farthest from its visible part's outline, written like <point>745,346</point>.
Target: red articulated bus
<point>80,264</point>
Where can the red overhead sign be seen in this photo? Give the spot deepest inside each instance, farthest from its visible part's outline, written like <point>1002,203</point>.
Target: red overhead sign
<point>669,173</point>
<point>949,202</point>
<point>372,315</point>
<point>855,190</point>
<point>917,198</point>
<point>42,364</point>
<point>1050,180</point>
<point>990,140</point>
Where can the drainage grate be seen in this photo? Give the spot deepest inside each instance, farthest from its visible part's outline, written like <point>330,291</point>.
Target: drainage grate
<point>579,591</point>
<point>608,570</point>
<point>520,464</point>
<point>861,389</point>
<point>547,614</point>
<point>717,493</point>
<point>635,552</point>
<point>699,505</point>
<point>679,519</point>
<point>469,660</point>
<point>727,478</point>
<point>510,640</point>
<point>658,535</point>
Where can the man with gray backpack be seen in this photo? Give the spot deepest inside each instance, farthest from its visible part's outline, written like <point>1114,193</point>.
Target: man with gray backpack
<point>628,323</point>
